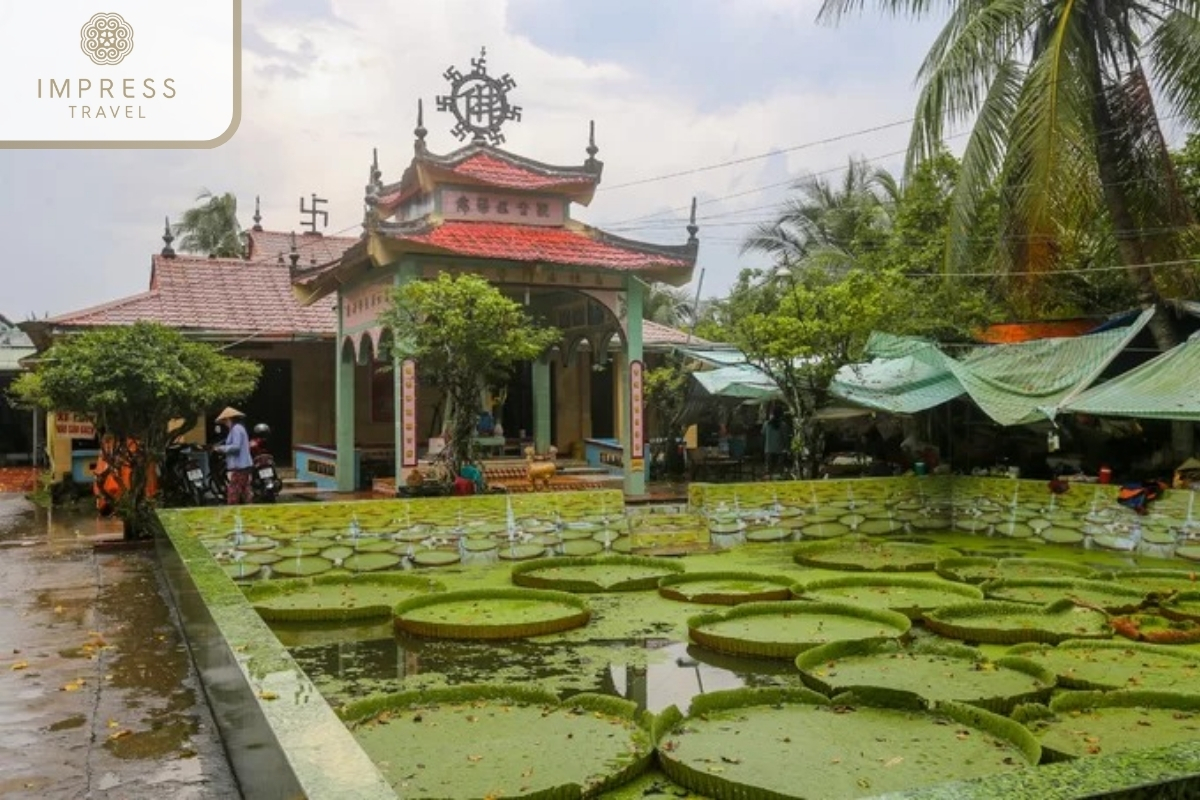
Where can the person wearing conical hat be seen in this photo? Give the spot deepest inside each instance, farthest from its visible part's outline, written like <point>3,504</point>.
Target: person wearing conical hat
<point>238,463</point>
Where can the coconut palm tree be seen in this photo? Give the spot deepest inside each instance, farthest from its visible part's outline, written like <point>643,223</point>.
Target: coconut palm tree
<point>1058,95</point>
<point>826,225</point>
<point>212,227</point>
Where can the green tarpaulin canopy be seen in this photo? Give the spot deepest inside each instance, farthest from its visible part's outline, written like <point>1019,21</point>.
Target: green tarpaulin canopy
<point>1166,387</point>
<point>1012,384</point>
<point>742,382</point>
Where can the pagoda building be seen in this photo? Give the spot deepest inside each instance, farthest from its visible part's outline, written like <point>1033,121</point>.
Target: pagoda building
<point>484,211</point>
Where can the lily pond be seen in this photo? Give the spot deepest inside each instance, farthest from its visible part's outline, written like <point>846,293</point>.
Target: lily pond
<point>811,639</point>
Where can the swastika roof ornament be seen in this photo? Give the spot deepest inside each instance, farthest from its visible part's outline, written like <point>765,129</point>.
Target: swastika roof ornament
<point>479,102</point>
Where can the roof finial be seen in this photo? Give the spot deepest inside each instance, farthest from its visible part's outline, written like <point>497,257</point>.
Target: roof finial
<point>257,214</point>
<point>591,148</point>
<point>692,227</point>
<point>420,131</point>
<point>168,237</point>
<point>294,256</point>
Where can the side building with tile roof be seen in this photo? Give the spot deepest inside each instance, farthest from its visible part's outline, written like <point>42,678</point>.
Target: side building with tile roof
<point>251,309</point>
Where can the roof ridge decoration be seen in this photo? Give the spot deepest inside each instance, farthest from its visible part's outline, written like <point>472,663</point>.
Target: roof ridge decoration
<point>168,237</point>
<point>479,102</point>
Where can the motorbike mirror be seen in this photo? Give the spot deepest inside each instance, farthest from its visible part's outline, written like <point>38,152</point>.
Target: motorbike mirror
<point>216,428</point>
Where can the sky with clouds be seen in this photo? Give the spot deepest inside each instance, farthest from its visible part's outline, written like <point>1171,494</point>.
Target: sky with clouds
<point>673,86</point>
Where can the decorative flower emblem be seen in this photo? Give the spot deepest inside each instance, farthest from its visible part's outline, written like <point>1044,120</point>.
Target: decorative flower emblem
<point>106,39</point>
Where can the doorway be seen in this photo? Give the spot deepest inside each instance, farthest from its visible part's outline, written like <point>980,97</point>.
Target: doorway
<point>272,403</point>
<point>602,400</point>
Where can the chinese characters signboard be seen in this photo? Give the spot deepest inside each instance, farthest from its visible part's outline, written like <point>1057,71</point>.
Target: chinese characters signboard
<point>408,412</point>
<point>462,204</point>
<point>636,438</point>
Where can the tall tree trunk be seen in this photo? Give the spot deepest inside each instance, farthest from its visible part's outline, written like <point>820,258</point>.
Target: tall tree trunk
<point>1132,246</point>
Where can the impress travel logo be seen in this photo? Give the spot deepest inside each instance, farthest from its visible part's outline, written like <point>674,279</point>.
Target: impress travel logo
<point>78,76</point>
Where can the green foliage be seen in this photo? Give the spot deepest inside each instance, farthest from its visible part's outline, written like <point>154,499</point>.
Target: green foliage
<point>132,382</point>
<point>1064,124</point>
<point>212,228</point>
<point>464,335</point>
<point>1187,169</point>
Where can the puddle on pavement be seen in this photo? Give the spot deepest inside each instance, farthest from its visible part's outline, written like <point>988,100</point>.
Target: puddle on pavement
<point>104,675</point>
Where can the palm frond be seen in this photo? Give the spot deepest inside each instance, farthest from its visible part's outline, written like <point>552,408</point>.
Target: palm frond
<point>1174,56</point>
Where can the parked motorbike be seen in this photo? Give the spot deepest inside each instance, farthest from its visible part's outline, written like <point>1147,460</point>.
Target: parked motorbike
<point>185,480</point>
<point>264,481</point>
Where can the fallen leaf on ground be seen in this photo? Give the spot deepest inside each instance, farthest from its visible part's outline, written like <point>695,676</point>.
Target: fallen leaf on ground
<point>20,665</point>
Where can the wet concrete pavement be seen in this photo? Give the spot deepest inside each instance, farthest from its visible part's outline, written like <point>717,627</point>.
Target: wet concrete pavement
<point>98,694</point>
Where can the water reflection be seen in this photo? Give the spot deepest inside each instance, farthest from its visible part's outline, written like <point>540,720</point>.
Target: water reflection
<point>654,673</point>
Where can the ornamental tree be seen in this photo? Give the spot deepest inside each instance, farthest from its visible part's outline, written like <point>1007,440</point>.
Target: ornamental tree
<point>818,325</point>
<point>464,335</point>
<point>132,383</point>
<point>666,390</point>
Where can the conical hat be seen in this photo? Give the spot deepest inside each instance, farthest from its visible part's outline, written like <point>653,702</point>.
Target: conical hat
<point>229,413</point>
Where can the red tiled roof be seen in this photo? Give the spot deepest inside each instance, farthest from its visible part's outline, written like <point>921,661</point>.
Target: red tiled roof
<point>486,168</point>
<point>268,246</point>
<point>218,295</point>
<point>570,246</point>
<point>1016,332</point>
<point>654,333</point>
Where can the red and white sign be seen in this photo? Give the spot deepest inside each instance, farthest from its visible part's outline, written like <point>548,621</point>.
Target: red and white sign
<point>521,209</point>
<point>636,430</point>
<point>73,426</point>
<point>408,412</point>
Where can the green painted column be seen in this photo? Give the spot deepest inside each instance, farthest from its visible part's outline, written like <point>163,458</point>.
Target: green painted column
<point>403,276</point>
<point>635,475</point>
<point>541,405</point>
<point>344,413</point>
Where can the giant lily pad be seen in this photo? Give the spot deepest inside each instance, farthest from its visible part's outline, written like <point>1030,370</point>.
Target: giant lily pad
<point>335,597</point>
<point>931,671</point>
<point>614,573</point>
<point>1116,664</point>
<point>725,588</point>
<point>795,743</point>
<point>1108,595</point>
<point>863,554</point>
<point>786,629</point>
<point>435,558</point>
<point>370,562</point>
<point>301,566</point>
<point>240,569</point>
<point>1159,581</point>
<point>996,622</point>
<point>1079,724</point>
<point>980,569</point>
<point>521,552</point>
<point>473,742</point>
<point>907,595</point>
<point>491,614</point>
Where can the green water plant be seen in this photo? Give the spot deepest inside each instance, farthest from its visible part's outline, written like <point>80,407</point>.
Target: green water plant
<point>981,569</point>
<point>906,594</point>
<point>997,622</point>
<point>786,629</point>
<point>610,573</point>
<point>491,614</point>
<point>502,741</point>
<point>796,743</point>
<point>1104,665</point>
<point>329,598</point>
<point>863,554</point>
<point>1079,724</point>
<point>1110,596</point>
<point>930,670</point>
<point>725,588</point>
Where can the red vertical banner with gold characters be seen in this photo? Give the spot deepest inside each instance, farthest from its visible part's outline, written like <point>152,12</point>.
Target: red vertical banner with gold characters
<point>408,411</point>
<point>636,416</point>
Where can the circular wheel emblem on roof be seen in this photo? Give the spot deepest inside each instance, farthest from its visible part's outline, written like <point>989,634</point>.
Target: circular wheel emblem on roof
<point>479,101</point>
